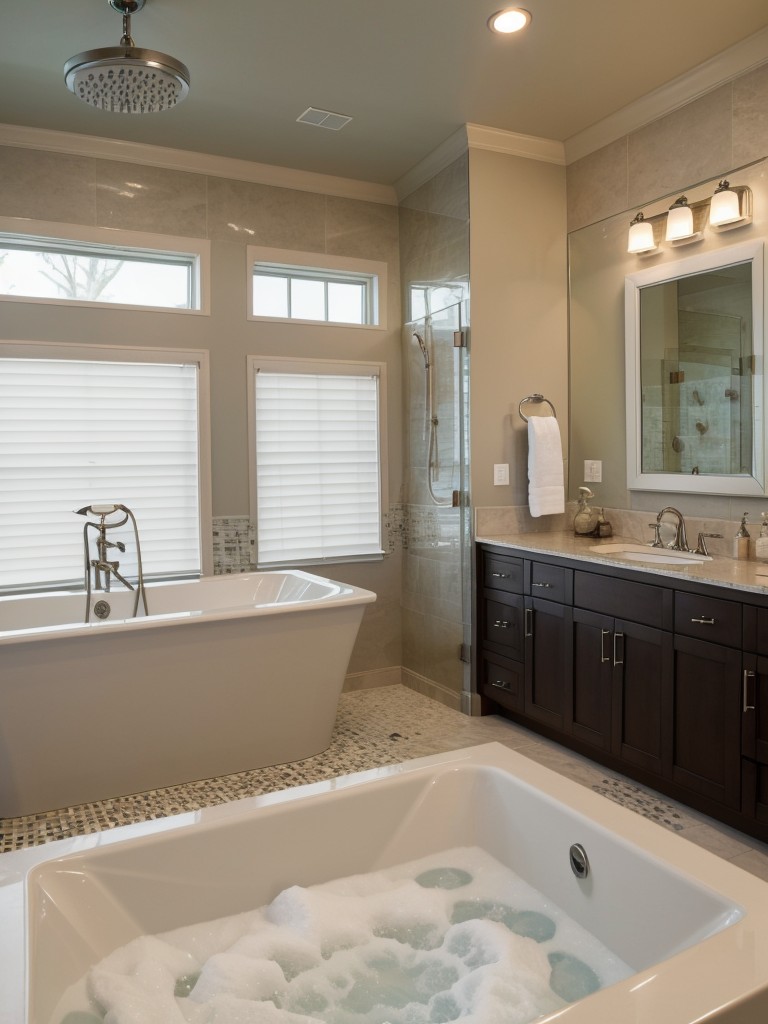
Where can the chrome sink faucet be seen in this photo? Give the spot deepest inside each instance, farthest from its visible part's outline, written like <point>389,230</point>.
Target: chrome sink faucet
<point>680,543</point>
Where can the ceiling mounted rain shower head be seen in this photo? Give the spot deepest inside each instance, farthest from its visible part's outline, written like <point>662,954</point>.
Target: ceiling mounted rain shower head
<point>127,79</point>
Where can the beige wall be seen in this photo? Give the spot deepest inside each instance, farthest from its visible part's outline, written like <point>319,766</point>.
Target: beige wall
<point>231,214</point>
<point>519,312</point>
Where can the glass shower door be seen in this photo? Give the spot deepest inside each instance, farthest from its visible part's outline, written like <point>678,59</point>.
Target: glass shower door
<point>437,566</point>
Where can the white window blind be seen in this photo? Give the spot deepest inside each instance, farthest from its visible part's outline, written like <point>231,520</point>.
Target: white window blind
<point>318,482</point>
<point>78,431</point>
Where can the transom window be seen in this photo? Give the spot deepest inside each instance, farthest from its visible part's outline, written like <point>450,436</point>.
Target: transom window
<point>86,270</point>
<point>315,288</point>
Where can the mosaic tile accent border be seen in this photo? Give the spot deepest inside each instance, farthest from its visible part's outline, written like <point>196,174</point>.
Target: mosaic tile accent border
<point>234,539</point>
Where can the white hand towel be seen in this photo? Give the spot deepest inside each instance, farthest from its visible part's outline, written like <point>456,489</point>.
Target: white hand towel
<point>546,490</point>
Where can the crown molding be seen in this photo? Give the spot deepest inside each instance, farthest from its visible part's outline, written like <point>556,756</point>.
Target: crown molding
<point>530,147</point>
<point>194,163</point>
<point>745,56</point>
<point>478,136</point>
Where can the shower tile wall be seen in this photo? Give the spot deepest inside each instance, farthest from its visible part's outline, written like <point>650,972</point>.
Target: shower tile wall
<point>95,192</point>
<point>434,251</point>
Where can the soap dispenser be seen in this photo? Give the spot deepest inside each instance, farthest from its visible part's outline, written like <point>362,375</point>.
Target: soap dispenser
<point>741,540</point>
<point>585,520</point>
<point>761,544</point>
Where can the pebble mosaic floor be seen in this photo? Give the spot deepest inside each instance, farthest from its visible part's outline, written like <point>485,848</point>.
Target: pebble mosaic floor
<point>379,727</point>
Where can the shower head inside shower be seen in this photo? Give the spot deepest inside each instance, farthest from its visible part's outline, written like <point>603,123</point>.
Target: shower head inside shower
<point>127,79</point>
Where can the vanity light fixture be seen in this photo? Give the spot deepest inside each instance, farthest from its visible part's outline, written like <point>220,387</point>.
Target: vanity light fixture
<point>680,222</point>
<point>640,235</point>
<point>511,19</point>
<point>684,222</point>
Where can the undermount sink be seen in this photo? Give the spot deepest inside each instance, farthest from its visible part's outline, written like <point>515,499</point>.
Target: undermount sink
<point>646,553</point>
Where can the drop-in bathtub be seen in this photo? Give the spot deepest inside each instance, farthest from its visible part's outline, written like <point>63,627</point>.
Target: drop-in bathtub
<point>692,927</point>
<point>226,673</point>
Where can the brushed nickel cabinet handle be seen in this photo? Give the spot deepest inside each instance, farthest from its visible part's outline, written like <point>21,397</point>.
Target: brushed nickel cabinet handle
<point>616,659</point>
<point>501,685</point>
<point>529,622</point>
<point>500,575</point>
<point>704,622</point>
<point>603,656</point>
<point>545,585</point>
<point>745,705</point>
<point>501,624</point>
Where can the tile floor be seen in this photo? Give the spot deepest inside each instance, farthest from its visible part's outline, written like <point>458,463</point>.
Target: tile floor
<point>380,727</point>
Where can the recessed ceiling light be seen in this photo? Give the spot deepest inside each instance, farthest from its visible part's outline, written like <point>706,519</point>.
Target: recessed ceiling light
<point>511,19</point>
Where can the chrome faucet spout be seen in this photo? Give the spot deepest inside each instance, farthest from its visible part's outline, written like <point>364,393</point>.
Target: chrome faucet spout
<point>680,543</point>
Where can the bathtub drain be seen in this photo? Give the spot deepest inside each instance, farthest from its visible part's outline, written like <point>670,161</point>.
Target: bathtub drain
<point>579,861</point>
<point>101,610</point>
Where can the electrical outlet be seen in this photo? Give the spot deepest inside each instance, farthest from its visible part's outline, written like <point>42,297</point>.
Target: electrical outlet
<point>500,474</point>
<point>593,471</point>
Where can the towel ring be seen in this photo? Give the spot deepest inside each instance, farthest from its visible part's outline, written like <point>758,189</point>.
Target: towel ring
<point>537,399</point>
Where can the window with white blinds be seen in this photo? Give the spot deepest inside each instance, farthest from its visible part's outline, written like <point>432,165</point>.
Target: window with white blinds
<point>91,424</point>
<point>317,436</point>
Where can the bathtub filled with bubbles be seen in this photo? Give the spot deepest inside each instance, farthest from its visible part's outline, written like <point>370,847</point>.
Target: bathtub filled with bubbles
<point>443,889</point>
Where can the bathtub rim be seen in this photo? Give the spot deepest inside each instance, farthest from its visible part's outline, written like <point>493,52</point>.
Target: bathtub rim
<point>349,594</point>
<point>702,968</point>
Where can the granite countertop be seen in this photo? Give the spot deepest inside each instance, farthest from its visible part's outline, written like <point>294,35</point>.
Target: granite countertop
<point>724,572</point>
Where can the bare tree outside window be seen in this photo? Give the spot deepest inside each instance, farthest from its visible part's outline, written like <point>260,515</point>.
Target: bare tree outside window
<point>80,277</point>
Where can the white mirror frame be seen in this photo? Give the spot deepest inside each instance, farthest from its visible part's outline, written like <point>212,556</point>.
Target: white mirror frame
<point>736,484</point>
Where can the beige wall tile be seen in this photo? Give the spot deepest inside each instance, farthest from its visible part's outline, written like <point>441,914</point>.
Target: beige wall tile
<point>750,117</point>
<point>685,147</point>
<point>139,198</point>
<point>597,185</point>
<point>355,228</point>
<point>264,215</point>
<point>46,186</point>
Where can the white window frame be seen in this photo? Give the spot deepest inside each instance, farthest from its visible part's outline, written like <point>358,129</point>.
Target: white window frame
<point>113,242</point>
<point>329,366</point>
<point>322,264</point>
<point>123,353</point>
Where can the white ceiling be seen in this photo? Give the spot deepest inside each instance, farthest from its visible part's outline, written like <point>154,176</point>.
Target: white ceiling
<point>409,72</point>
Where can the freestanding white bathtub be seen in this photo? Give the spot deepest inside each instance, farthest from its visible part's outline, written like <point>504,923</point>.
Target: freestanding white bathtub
<point>226,673</point>
<point>694,928</point>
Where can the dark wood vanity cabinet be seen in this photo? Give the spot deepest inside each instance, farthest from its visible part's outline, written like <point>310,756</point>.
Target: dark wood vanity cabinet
<point>665,681</point>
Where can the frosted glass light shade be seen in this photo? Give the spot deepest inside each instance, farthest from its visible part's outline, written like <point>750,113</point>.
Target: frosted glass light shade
<point>679,221</point>
<point>640,237</point>
<point>724,206</point>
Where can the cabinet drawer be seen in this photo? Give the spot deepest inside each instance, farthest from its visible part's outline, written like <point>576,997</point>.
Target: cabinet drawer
<point>638,602</point>
<point>502,573</point>
<point>502,626</point>
<point>552,582</point>
<point>503,682</point>
<point>708,618</point>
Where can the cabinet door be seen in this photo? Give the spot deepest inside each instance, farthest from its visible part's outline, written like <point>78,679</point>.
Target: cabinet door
<point>547,660</point>
<point>706,720</point>
<point>589,698</point>
<point>643,663</point>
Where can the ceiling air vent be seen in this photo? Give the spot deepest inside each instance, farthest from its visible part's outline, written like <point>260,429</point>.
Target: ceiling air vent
<point>323,119</point>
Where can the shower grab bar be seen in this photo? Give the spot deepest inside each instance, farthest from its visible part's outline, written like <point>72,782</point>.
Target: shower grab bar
<point>537,399</point>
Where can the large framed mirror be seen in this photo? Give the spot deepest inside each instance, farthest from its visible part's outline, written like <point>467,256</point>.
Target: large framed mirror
<point>694,374</point>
